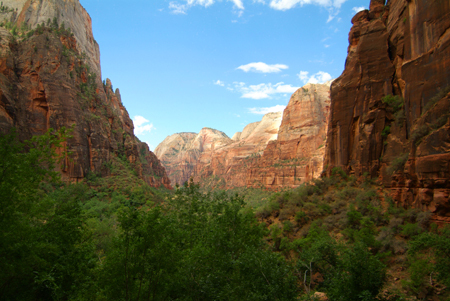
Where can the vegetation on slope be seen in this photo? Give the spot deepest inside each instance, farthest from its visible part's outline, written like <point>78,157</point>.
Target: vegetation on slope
<point>115,238</point>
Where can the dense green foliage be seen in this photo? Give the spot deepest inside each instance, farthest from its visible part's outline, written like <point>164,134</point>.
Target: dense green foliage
<point>115,238</point>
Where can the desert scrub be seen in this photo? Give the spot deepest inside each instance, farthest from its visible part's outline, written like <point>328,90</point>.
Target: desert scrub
<point>394,103</point>
<point>419,133</point>
<point>441,94</point>
<point>397,164</point>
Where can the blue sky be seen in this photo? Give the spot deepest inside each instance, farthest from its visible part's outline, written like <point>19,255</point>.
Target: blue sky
<point>182,65</point>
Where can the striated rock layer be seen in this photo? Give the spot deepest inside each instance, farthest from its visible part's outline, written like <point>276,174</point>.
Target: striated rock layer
<point>229,164</point>
<point>403,49</point>
<point>296,156</point>
<point>180,153</point>
<point>282,150</point>
<point>47,82</point>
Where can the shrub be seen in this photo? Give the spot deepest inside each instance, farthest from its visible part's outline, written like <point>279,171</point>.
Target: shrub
<point>301,218</point>
<point>395,103</point>
<point>338,171</point>
<point>410,230</point>
<point>419,133</point>
<point>441,94</point>
<point>386,131</point>
<point>358,274</point>
<point>397,164</point>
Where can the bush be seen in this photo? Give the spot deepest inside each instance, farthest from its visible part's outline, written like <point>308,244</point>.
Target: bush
<point>358,276</point>
<point>386,131</point>
<point>397,164</point>
<point>441,94</point>
<point>301,218</point>
<point>395,103</point>
<point>419,133</point>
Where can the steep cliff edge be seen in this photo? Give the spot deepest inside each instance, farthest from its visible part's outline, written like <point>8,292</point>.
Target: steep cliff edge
<point>389,109</point>
<point>296,156</point>
<point>282,150</point>
<point>228,165</point>
<point>50,78</point>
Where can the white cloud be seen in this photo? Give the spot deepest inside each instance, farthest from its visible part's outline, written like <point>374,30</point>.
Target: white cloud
<point>288,4</point>
<point>263,111</point>
<point>303,76</point>
<point>262,67</point>
<point>238,4</point>
<point>259,1</point>
<point>178,8</point>
<point>219,83</point>
<point>262,91</point>
<point>140,126</point>
<point>318,78</point>
<point>358,9</point>
<point>139,120</point>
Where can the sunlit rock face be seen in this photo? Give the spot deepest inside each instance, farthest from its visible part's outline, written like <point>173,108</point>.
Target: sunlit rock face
<point>229,164</point>
<point>296,156</point>
<point>52,80</point>
<point>284,149</point>
<point>403,49</point>
<point>181,152</point>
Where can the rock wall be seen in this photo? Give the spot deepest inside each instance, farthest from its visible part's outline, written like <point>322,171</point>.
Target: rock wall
<point>401,48</point>
<point>296,156</point>
<point>69,12</point>
<point>180,153</point>
<point>282,150</point>
<point>46,82</point>
<point>229,164</point>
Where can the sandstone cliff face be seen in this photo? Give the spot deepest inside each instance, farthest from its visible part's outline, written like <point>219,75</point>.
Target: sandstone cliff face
<point>230,163</point>
<point>180,153</point>
<point>296,156</point>
<point>45,82</point>
<point>282,150</point>
<point>403,49</point>
<point>69,12</point>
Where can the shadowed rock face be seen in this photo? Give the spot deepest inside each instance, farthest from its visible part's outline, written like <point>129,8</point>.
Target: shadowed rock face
<point>402,48</point>
<point>45,82</point>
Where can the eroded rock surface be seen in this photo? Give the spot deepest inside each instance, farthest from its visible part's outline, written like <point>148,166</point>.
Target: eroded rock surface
<point>282,150</point>
<point>403,49</point>
<point>46,82</point>
<point>296,156</point>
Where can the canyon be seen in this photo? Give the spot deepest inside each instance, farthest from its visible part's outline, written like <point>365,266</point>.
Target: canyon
<point>282,150</point>
<point>386,117</point>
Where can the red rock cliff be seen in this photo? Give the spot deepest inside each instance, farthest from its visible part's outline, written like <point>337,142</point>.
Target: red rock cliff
<point>47,82</point>
<point>282,150</point>
<point>296,156</point>
<point>401,48</point>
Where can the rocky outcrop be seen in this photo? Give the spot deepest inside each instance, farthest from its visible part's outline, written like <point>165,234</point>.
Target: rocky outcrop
<point>47,82</point>
<point>213,153</point>
<point>67,12</point>
<point>230,163</point>
<point>296,156</point>
<point>400,49</point>
<point>180,153</point>
<point>282,150</point>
